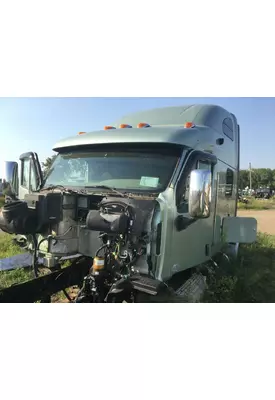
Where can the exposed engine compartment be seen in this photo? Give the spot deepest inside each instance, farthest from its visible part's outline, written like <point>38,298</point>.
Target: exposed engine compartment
<point>115,232</point>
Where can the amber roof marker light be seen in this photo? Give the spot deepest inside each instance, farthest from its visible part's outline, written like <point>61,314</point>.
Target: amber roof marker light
<point>122,126</point>
<point>107,127</point>
<point>189,125</point>
<point>143,125</point>
<point>81,133</point>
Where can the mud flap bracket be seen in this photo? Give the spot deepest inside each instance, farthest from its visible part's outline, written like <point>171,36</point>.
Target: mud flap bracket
<point>239,229</point>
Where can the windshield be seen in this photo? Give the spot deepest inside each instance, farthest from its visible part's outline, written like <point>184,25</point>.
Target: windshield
<point>129,170</point>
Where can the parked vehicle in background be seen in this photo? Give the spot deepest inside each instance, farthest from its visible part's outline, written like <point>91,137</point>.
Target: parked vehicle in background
<point>263,193</point>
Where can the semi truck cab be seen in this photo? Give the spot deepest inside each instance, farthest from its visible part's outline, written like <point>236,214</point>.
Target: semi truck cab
<point>160,185</point>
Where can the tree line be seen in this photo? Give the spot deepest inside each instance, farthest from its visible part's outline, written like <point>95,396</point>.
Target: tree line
<point>46,165</point>
<point>260,177</point>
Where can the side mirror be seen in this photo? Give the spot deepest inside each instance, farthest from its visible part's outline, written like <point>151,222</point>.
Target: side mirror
<point>200,193</point>
<point>31,175</point>
<point>10,178</point>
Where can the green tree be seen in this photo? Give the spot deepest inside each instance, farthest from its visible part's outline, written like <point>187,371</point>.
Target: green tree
<point>256,177</point>
<point>243,179</point>
<point>260,177</point>
<point>46,166</point>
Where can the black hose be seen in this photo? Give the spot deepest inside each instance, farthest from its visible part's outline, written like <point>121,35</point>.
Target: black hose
<point>48,238</point>
<point>101,248</point>
<point>66,295</point>
<point>37,247</point>
<point>41,241</point>
<point>34,257</point>
<point>79,294</point>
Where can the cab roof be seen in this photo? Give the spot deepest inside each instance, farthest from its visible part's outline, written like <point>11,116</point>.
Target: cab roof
<point>166,126</point>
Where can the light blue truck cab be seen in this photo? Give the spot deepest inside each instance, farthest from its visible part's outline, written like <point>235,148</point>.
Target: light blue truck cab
<point>173,171</point>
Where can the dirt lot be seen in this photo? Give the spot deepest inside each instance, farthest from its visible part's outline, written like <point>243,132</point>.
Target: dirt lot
<point>265,219</point>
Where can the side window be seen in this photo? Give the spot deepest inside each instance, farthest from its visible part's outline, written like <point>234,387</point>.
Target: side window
<point>229,180</point>
<point>28,176</point>
<point>33,179</point>
<point>183,190</point>
<point>227,128</point>
<point>25,173</point>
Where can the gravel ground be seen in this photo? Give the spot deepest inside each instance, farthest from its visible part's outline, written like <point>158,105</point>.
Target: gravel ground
<point>265,219</point>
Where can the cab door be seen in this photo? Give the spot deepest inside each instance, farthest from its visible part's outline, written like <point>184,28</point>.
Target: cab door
<point>192,238</point>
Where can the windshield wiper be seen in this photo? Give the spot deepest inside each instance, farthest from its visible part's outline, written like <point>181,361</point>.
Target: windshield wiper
<point>51,187</point>
<point>61,187</point>
<point>107,188</point>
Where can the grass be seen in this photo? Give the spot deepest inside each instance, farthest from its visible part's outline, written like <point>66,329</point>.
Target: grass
<point>250,279</point>
<point>9,278</point>
<point>9,249</point>
<point>256,204</point>
<point>19,275</point>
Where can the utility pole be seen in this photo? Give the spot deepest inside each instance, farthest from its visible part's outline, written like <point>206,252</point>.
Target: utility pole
<point>250,177</point>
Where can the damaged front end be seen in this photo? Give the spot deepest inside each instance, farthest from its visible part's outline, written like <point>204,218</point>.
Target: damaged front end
<point>118,238</point>
<point>77,212</point>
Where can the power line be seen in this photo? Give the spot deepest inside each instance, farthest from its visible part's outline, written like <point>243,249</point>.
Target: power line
<point>250,177</point>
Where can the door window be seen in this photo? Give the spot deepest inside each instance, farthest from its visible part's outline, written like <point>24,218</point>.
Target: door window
<point>25,172</point>
<point>229,182</point>
<point>29,176</point>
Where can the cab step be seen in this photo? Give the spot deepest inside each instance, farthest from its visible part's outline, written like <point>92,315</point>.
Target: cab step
<point>192,291</point>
